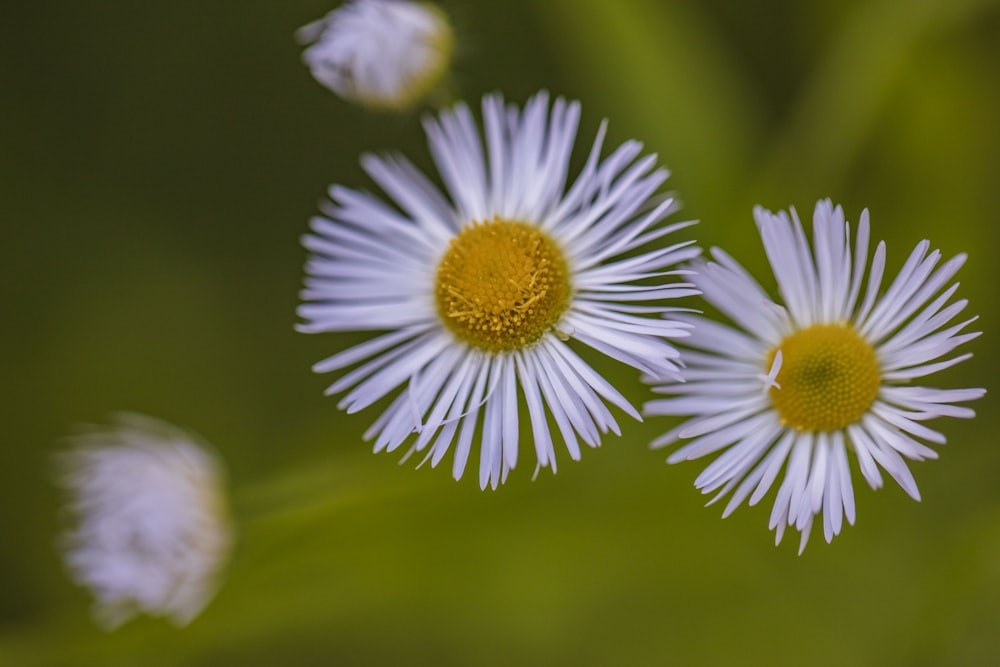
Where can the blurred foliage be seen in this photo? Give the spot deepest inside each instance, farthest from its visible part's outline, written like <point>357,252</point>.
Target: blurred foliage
<point>157,164</point>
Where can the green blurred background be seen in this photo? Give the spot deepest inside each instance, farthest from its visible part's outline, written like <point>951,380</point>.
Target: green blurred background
<point>158,162</point>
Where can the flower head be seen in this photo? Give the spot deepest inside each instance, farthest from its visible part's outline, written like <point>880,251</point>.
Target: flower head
<point>479,293</point>
<point>384,54</point>
<point>799,386</point>
<point>151,529</point>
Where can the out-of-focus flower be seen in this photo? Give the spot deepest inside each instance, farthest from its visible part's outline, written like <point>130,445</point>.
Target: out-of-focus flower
<point>383,54</point>
<point>150,526</point>
<point>828,373</point>
<point>480,294</point>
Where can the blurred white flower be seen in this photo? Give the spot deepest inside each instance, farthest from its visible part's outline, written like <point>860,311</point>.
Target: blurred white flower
<point>800,386</point>
<point>384,54</point>
<point>151,528</point>
<point>478,295</point>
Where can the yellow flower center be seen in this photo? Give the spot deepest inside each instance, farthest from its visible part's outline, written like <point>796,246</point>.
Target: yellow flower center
<point>828,379</point>
<point>502,285</point>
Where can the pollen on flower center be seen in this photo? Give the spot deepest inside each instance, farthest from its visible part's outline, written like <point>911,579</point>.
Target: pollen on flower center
<point>502,284</point>
<point>829,377</point>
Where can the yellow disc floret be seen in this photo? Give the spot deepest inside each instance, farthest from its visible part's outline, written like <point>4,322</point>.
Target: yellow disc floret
<point>501,285</point>
<point>829,377</point>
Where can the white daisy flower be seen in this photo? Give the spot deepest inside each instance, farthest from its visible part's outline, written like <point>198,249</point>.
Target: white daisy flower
<point>830,372</point>
<point>480,293</point>
<point>384,54</point>
<point>151,530</point>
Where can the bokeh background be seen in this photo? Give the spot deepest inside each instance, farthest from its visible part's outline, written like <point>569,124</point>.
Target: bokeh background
<point>158,163</point>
